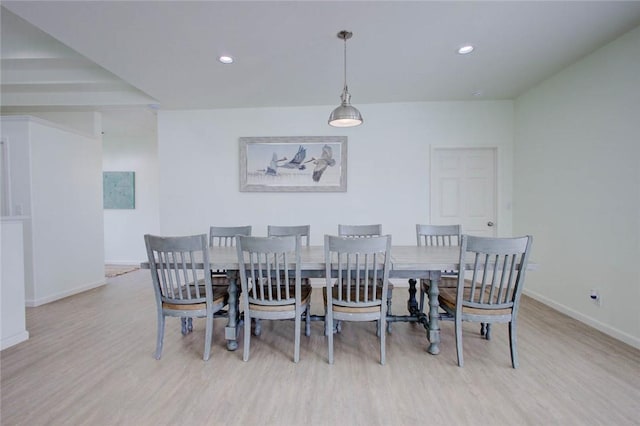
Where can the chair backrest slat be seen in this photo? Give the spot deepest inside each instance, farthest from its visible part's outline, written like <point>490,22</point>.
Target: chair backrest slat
<point>511,278</point>
<point>164,277</point>
<point>256,286</point>
<point>496,276</point>
<point>285,277</point>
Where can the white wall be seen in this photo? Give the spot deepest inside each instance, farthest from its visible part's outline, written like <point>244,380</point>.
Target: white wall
<point>388,165</point>
<point>62,195</point>
<point>87,122</point>
<point>16,132</point>
<point>577,187</point>
<point>124,229</point>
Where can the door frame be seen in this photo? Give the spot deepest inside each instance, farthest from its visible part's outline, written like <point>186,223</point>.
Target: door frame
<point>5,179</point>
<point>497,173</point>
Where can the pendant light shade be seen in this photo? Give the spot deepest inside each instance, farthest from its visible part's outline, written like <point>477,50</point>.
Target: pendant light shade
<point>345,115</point>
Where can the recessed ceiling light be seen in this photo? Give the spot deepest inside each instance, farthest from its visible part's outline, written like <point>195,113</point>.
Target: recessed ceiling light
<point>465,50</point>
<point>226,59</point>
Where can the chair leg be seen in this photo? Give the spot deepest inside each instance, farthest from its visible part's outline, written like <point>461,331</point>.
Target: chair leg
<point>258,327</point>
<point>247,336</point>
<point>208,336</point>
<point>307,321</point>
<point>183,323</point>
<point>382,342</point>
<point>421,305</point>
<point>485,330</point>
<point>331,326</point>
<point>458,328</point>
<point>513,343</point>
<point>329,331</point>
<point>297,326</point>
<point>389,294</point>
<point>160,336</point>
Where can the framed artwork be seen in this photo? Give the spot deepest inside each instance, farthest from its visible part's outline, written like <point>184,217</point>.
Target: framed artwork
<point>293,164</point>
<point>118,190</point>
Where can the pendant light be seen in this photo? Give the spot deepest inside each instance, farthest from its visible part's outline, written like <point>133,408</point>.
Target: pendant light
<point>345,115</point>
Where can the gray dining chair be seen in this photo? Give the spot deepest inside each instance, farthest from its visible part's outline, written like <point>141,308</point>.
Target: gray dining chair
<point>224,236</point>
<point>366,231</point>
<point>281,231</point>
<point>443,235</point>
<point>360,231</point>
<point>358,265</point>
<point>438,235</point>
<point>492,295</point>
<point>181,288</point>
<point>304,231</point>
<point>267,265</point>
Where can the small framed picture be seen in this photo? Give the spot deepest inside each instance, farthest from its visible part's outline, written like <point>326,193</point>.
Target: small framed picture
<point>118,190</point>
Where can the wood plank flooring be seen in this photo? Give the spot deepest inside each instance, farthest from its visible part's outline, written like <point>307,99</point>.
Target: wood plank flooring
<point>89,361</point>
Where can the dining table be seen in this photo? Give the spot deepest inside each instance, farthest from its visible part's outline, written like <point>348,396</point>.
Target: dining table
<point>407,262</point>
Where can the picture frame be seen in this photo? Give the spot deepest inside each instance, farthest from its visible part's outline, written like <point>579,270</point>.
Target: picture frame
<point>118,190</point>
<point>293,164</point>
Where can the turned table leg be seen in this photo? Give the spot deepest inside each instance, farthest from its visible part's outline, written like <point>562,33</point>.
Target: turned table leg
<point>433,332</point>
<point>231,330</point>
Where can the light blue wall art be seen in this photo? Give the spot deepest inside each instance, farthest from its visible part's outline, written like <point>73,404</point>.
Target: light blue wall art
<point>118,190</point>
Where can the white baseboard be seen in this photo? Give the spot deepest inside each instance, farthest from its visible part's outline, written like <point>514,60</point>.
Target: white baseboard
<point>606,329</point>
<point>7,342</point>
<point>31,303</point>
<point>124,263</point>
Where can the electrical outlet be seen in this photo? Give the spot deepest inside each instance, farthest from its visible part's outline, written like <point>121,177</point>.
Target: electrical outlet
<point>594,295</point>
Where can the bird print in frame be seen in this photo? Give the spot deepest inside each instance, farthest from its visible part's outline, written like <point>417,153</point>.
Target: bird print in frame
<point>293,164</point>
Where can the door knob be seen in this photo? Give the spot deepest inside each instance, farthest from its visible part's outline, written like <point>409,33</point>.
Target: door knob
<point>489,223</point>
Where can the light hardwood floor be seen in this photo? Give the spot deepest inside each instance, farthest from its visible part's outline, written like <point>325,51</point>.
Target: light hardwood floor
<point>89,361</point>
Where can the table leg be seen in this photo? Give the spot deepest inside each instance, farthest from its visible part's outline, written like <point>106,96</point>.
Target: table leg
<point>231,330</point>
<point>412,304</point>
<point>433,332</point>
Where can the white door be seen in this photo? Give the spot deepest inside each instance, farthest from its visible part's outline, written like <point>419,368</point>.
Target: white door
<point>463,189</point>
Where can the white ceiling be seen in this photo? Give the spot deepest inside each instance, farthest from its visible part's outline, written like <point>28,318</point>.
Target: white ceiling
<point>125,53</point>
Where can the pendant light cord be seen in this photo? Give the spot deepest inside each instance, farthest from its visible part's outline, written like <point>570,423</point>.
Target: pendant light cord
<point>345,64</point>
